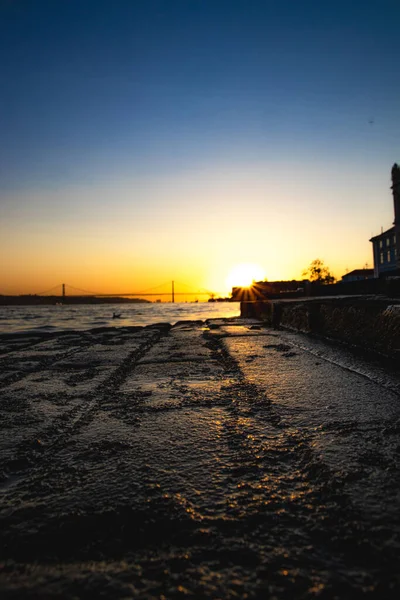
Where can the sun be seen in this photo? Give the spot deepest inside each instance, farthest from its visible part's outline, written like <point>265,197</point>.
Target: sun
<point>244,274</point>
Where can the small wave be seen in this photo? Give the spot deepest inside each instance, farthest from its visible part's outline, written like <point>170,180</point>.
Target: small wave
<point>31,317</point>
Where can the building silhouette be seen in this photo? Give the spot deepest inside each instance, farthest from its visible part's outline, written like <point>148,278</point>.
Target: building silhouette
<point>359,275</point>
<point>386,245</point>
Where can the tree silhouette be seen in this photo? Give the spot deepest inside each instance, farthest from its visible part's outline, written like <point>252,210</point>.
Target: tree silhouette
<point>317,272</point>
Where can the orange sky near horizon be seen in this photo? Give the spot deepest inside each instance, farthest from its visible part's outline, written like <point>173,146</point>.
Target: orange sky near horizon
<point>132,235</point>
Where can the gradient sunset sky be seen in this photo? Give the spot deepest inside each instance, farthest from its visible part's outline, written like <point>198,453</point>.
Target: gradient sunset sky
<point>150,140</point>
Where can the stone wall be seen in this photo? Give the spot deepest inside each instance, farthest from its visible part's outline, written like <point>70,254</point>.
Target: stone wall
<point>371,323</point>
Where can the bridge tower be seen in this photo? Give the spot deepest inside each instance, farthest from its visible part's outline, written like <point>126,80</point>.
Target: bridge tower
<point>173,292</point>
<point>63,290</point>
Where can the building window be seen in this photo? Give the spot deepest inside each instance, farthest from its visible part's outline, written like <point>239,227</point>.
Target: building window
<point>394,240</point>
<point>380,243</point>
<point>381,258</point>
<point>387,241</point>
<point>388,255</point>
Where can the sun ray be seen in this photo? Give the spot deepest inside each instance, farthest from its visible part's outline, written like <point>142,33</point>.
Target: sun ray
<point>244,275</point>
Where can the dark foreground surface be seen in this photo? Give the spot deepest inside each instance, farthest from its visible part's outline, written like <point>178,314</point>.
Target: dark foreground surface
<point>207,461</point>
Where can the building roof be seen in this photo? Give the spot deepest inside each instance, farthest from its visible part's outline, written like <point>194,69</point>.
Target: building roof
<point>359,273</point>
<point>383,234</point>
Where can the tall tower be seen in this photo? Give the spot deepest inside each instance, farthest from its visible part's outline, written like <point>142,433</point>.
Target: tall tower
<point>396,202</point>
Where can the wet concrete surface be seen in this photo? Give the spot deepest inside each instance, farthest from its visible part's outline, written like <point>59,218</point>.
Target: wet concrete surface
<point>207,460</point>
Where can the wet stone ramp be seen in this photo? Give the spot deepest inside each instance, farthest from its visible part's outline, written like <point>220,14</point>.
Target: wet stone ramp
<point>217,460</point>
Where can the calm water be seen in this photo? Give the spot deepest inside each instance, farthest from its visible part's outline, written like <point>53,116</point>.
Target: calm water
<point>85,316</point>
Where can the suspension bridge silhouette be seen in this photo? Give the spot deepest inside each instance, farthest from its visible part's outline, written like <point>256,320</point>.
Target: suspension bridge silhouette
<point>63,290</point>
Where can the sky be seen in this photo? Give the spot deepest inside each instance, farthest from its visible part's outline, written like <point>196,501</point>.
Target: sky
<point>144,141</point>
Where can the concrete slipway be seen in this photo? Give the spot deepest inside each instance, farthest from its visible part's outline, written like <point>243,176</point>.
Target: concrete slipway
<point>207,460</point>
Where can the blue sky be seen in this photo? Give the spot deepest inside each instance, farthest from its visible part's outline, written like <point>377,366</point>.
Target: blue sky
<point>106,99</point>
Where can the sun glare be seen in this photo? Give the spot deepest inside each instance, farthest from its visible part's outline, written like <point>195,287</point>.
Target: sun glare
<point>244,274</point>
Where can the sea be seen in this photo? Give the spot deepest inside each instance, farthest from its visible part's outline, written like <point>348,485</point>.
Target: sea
<point>64,317</point>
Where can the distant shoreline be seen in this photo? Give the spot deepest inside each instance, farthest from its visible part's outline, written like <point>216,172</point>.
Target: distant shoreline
<point>32,300</point>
